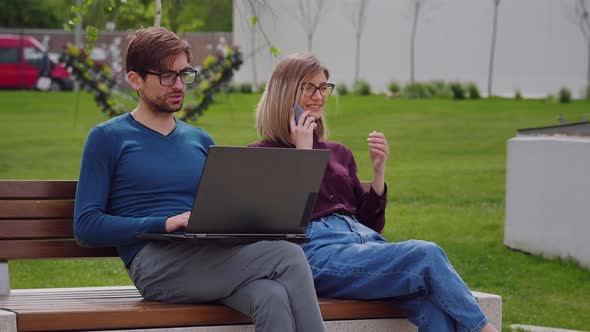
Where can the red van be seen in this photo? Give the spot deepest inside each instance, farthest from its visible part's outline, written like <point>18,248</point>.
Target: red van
<point>20,60</point>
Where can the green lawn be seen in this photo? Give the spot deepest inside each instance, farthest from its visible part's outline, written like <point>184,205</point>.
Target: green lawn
<point>446,179</point>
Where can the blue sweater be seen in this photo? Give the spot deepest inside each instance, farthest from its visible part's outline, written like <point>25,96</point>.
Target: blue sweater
<point>132,179</point>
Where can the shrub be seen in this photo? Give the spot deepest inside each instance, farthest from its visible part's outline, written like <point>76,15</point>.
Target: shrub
<point>564,95</point>
<point>230,88</point>
<point>587,92</point>
<point>549,98</point>
<point>415,90</point>
<point>394,88</point>
<point>341,89</point>
<point>245,87</point>
<point>438,89</point>
<point>261,87</point>
<point>517,94</point>
<point>361,88</point>
<point>457,90</point>
<point>473,91</point>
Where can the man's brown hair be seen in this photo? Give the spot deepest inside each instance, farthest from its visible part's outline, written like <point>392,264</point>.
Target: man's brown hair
<point>153,49</point>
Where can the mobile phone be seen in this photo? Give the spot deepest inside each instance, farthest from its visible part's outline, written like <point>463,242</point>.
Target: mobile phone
<point>298,111</point>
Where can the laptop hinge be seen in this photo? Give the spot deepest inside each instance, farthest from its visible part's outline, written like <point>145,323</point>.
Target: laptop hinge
<point>291,236</point>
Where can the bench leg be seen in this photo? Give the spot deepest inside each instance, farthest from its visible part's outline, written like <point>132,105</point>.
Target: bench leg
<point>7,321</point>
<point>4,278</point>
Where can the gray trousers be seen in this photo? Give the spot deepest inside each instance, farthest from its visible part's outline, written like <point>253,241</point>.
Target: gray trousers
<point>270,281</point>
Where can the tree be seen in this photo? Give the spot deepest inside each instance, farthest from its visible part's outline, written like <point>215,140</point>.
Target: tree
<point>358,18</point>
<point>581,9</point>
<point>493,47</point>
<point>417,6</point>
<point>309,17</point>
<point>33,14</point>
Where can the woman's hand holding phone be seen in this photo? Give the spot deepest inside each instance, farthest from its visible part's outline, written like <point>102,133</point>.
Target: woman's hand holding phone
<point>302,127</point>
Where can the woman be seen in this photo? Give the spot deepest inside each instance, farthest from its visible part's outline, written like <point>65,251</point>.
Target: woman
<point>348,256</point>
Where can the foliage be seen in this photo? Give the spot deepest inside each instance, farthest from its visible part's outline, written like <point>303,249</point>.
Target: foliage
<point>92,77</point>
<point>415,90</point>
<point>245,87</point>
<point>472,90</point>
<point>517,94</point>
<point>564,95</point>
<point>46,14</point>
<point>216,72</point>
<point>549,99</point>
<point>439,89</point>
<point>341,89</point>
<point>458,90</point>
<point>393,87</point>
<point>213,76</point>
<point>587,92</point>
<point>261,87</point>
<point>178,15</point>
<point>361,88</point>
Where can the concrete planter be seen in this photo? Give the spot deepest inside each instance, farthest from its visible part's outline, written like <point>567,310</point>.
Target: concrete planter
<point>548,196</point>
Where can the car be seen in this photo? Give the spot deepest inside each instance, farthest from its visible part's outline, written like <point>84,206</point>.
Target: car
<point>22,58</point>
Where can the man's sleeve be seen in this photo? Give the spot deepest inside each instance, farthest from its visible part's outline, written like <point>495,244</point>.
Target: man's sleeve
<point>92,225</point>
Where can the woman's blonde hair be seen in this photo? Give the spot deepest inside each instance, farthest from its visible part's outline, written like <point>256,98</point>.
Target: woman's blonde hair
<point>275,107</point>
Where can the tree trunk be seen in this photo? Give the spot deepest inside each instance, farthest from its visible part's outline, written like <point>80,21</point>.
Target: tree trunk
<point>359,31</point>
<point>588,71</point>
<point>158,16</point>
<point>413,39</point>
<point>493,47</point>
<point>357,61</point>
<point>253,43</point>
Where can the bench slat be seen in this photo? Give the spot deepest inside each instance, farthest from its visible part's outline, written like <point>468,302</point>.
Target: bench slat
<point>37,189</point>
<point>123,307</point>
<point>27,209</point>
<point>37,228</point>
<point>34,249</point>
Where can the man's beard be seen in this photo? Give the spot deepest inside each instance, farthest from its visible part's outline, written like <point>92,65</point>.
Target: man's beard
<point>160,106</point>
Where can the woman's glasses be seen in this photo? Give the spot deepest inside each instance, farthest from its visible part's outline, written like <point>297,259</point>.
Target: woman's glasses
<point>309,89</point>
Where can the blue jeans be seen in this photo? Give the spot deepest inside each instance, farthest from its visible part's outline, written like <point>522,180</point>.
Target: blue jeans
<point>350,260</point>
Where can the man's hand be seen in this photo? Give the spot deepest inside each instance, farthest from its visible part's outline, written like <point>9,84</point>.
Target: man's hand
<point>302,132</point>
<point>177,222</point>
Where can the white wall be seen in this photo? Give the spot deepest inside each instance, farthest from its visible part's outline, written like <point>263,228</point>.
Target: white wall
<point>539,48</point>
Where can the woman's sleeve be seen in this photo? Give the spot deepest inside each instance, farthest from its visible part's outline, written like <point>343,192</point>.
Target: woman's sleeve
<point>370,206</point>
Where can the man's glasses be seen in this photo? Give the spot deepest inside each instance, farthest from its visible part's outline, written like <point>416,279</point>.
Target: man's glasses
<point>187,76</point>
<point>309,89</point>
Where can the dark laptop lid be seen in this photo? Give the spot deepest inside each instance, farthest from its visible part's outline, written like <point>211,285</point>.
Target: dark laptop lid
<point>247,190</point>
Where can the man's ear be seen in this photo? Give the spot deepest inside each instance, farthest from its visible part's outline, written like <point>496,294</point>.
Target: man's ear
<point>134,80</point>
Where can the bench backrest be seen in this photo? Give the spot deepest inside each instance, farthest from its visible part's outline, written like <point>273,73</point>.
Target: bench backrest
<point>36,221</point>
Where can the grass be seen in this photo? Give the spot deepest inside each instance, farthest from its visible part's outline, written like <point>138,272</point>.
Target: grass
<point>446,180</point>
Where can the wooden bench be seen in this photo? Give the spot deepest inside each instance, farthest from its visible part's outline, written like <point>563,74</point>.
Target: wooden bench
<point>36,223</point>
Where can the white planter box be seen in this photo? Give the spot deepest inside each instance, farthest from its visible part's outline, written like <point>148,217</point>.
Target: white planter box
<point>548,196</point>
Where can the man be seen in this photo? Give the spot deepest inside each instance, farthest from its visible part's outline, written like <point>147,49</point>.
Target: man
<point>140,172</point>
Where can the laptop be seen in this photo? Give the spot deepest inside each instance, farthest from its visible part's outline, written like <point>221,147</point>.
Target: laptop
<point>251,194</point>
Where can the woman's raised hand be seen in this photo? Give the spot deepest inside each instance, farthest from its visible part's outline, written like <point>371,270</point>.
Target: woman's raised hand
<point>379,151</point>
